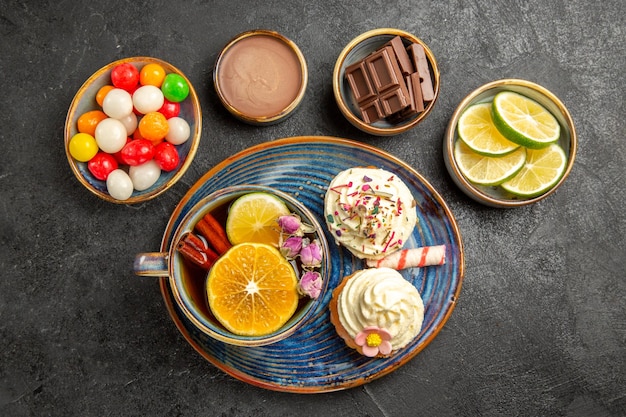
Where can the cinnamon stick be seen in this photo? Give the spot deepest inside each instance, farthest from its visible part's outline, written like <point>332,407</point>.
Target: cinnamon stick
<point>214,233</point>
<point>195,250</point>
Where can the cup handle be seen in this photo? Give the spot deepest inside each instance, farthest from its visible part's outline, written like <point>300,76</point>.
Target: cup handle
<point>151,264</point>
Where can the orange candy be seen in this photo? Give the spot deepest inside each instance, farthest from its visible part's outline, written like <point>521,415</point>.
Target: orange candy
<point>103,91</point>
<point>87,122</point>
<point>137,135</point>
<point>152,74</point>
<point>153,126</point>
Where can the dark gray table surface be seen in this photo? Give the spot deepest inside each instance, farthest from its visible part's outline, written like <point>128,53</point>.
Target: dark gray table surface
<point>540,326</point>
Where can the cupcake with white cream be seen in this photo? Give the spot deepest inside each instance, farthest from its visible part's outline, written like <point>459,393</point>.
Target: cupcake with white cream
<point>376,311</point>
<point>370,211</point>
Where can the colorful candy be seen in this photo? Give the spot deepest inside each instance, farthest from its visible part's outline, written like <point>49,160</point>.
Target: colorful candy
<point>87,122</point>
<point>175,88</point>
<point>169,109</point>
<point>134,134</point>
<point>166,156</point>
<point>117,103</point>
<point>137,152</point>
<point>83,147</point>
<point>102,92</point>
<point>153,126</point>
<point>178,132</point>
<point>125,76</point>
<point>148,98</point>
<point>119,185</point>
<point>111,135</point>
<point>102,165</point>
<point>130,122</point>
<point>145,175</point>
<point>152,74</point>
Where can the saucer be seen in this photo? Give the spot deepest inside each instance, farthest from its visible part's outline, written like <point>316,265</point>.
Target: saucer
<point>314,359</point>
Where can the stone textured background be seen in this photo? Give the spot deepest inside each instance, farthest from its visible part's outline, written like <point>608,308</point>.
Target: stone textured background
<point>540,327</point>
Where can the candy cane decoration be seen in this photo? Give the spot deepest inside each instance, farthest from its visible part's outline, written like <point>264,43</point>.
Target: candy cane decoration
<point>410,258</point>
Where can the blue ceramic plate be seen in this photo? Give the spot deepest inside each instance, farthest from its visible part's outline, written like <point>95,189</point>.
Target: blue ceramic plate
<point>314,359</point>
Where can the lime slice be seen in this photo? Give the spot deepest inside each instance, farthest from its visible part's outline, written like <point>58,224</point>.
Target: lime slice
<point>477,130</point>
<point>524,121</point>
<point>488,170</point>
<point>254,217</point>
<point>543,169</point>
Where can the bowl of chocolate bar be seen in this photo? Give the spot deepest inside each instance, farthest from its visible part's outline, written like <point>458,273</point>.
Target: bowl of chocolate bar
<point>386,81</point>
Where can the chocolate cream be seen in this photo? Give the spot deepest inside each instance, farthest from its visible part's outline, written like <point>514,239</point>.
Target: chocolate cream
<point>260,76</point>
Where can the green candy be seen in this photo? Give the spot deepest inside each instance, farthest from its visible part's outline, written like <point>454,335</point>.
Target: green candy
<point>175,88</point>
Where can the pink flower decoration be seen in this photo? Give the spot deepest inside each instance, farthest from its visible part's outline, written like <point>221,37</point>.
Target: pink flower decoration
<point>291,247</point>
<point>310,284</point>
<point>289,224</point>
<point>374,340</point>
<point>311,254</point>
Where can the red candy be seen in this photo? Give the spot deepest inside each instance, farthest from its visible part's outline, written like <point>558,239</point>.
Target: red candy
<point>166,156</point>
<point>169,109</point>
<point>137,151</point>
<point>102,165</point>
<point>118,155</point>
<point>125,76</point>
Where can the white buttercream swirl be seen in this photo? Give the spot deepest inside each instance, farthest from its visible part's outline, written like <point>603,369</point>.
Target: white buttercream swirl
<point>370,211</point>
<point>381,297</point>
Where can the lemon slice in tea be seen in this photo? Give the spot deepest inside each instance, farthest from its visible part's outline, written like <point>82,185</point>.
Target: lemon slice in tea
<point>254,217</point>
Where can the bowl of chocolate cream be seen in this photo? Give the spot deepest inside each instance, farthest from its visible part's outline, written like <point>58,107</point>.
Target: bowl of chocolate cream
<point>260,77</point>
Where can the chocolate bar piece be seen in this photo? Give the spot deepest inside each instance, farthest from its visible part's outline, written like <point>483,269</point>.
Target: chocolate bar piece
<point>393,82</point>
<point>406,66</point>
<point>417,103</point>
<point>418,56</point>
<point>360,83</point>
<point>387,78</point>
<point>371,111</point>
<point>393,101</point>
<point>383,69</point>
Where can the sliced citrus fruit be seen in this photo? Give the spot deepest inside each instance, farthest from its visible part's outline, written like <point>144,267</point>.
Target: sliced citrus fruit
<point>524,121</point>
<point>488,170</point>
<point>542,170</point>
<point>477,130</point>
<point>252,289</point>
<point>254,217</point>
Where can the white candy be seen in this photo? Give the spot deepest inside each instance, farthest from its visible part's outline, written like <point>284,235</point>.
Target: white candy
<point>117,103</point>
<point>130,123</point>
<point>111,135</point>
<point>179,131</point>
<point>145,175</point>
<point>148,98</point>
<point>119,185</point>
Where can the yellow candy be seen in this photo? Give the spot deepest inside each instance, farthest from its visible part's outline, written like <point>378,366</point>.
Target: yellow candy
<point>83,147</point>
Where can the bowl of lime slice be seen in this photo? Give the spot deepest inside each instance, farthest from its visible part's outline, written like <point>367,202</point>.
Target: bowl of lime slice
<point>510,143</point>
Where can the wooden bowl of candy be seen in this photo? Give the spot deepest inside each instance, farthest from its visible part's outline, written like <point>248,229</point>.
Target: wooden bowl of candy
<point>133,129</point>
<point>386,81</point>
